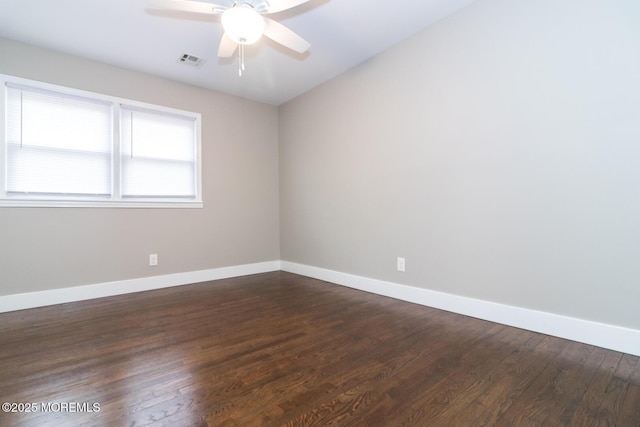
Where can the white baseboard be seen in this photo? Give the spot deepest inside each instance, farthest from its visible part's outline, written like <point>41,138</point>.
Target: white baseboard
<point>611,337</point>
<point>80,293</point>
<point>602,335</point>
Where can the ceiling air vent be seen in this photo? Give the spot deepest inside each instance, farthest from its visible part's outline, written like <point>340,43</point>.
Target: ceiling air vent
<point>192,60</point>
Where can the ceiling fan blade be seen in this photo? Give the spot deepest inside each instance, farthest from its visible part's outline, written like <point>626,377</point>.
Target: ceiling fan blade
<point>280,5</point>
<point>186,6</point>
<point>227,46</point>
<point>281,34</point>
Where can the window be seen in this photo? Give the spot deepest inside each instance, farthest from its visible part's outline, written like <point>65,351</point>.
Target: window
<point>56,144</point>
<point>62,147</point>
<point>158,154</point>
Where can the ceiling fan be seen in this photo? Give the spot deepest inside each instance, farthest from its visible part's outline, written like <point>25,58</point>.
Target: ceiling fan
<point>243,22</point>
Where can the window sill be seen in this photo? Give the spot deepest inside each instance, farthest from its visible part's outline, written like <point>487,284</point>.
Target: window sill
<point>137,204</point>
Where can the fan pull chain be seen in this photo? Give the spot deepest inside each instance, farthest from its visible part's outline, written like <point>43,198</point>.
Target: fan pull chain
<point>21,120</point>
<point>240,59</point>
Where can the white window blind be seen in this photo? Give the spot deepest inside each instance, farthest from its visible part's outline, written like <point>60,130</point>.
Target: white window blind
<point>158,154</point>
<point>57,144</point>
<point>66,147</point>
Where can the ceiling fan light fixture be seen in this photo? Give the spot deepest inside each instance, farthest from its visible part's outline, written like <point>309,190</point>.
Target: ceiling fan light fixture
<point>243,24</point>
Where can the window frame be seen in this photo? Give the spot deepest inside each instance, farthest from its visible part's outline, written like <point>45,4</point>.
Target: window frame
<point>116,200</point>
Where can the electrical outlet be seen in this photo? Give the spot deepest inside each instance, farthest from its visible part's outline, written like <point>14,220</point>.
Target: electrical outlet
<point>401,264</point>
<point>153,260</point>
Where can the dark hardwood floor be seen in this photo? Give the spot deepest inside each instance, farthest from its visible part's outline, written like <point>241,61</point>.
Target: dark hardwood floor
<point>279,349</point>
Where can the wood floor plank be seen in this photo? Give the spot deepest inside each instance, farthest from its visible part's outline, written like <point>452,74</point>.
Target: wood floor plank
<point>630,411</point>
<point>278,349</point>
<point>481,356</point>
<point>589,405</point>
<point>490,383</point>
<point>609,411</point>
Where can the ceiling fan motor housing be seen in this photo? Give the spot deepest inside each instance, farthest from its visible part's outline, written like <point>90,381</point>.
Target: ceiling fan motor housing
<point>260,6</point>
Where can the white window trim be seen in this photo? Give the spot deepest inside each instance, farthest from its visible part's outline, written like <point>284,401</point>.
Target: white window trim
<point>116,200</point>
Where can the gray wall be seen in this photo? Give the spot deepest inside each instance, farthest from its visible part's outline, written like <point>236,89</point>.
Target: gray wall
<point>498,152</point>
<point>47,248</point>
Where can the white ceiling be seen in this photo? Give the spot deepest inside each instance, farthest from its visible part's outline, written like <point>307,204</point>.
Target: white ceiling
<point>342,33</point>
